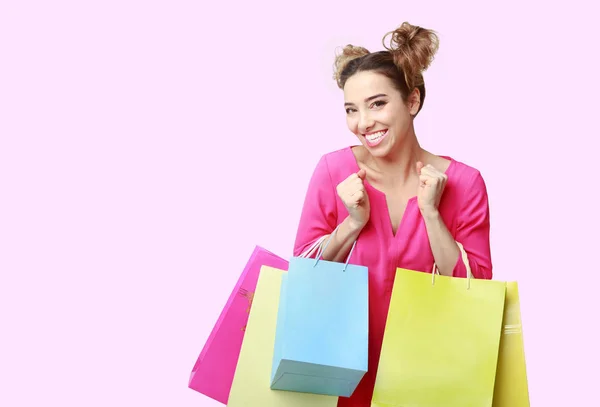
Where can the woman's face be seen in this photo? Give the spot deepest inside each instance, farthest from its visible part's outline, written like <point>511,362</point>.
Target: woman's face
<point>376,113</point>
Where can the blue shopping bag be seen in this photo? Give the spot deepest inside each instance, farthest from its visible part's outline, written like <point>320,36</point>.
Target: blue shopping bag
<point>322,335</point>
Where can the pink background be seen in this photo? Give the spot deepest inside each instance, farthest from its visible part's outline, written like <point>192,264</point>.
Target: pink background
<point>141,143</point>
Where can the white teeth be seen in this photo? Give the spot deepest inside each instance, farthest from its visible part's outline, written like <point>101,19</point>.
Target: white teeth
<point>375,136</point>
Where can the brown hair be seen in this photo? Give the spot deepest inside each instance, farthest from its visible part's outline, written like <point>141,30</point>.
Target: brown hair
<point>410,51</point>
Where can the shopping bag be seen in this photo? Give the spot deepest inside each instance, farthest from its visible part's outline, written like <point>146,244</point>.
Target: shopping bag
<point>511,388</point>
<point>250,386</point>
<point>321,344</point>
<point>213,371</point>
<point>441,341</point>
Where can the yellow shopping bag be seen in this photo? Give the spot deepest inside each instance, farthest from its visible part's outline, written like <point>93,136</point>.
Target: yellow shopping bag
<point>251,382</point>
<point>511,375</point>
<point>441,342</point>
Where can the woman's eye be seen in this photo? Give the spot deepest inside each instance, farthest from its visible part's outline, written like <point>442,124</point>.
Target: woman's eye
<point>379,103</point>
<point>349,110</point>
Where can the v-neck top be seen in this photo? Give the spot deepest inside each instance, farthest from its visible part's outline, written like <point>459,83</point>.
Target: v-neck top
<point>463,207</point>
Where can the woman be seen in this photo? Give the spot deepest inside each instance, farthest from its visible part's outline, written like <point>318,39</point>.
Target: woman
<point>404,206</point>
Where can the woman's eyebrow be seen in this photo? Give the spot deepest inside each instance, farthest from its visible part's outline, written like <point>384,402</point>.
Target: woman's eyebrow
<point>367,99</point>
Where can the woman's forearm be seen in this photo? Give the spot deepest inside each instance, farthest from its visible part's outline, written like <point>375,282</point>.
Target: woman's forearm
<point>339,247</point>
<point>443,246</point>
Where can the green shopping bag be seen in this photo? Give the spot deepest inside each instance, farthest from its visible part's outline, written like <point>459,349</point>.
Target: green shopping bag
<point>440,346</point>
<point>511,388</point>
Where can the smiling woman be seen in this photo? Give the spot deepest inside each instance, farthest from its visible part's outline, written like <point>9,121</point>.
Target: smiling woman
<point>402,205</point>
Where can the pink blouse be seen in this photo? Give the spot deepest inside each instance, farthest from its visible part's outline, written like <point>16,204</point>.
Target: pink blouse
<point>463,207</point>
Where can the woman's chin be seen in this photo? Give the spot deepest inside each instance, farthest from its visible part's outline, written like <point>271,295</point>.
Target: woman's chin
<point>380,150</point>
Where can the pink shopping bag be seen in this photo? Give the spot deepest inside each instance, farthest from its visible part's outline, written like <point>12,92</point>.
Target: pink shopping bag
<point>213,372</point>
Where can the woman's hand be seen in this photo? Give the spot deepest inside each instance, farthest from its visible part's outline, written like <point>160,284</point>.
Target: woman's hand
<point>355,198</point>
<point>431,187</point>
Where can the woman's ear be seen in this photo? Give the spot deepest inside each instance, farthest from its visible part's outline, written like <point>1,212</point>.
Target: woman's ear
<point>414,102</point>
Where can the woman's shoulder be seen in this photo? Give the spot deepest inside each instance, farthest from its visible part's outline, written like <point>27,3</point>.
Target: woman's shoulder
<point>338,164</point>
<point>462,176</point>
<point>342,156</point>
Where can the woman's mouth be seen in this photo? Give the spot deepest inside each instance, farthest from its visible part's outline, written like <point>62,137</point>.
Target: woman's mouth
<point>374,139</point>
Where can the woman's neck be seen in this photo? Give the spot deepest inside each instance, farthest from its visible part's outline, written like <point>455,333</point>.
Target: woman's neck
<point>400,165</point>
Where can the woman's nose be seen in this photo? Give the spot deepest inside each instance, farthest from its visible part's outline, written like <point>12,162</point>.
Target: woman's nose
<point>365,123</point>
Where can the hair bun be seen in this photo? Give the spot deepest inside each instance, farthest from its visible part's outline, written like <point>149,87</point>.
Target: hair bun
<point>349,52</point>
<point>413,49</point>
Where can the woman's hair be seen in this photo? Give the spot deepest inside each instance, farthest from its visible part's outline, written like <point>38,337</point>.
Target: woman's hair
<point>409,52</point>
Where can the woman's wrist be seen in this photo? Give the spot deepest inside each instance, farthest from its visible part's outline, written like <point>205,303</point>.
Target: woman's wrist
<point>354,227</point>
<point>430,214</point>
<point>342,240</point>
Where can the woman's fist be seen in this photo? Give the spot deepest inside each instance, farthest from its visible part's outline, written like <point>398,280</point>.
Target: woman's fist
<point>353,194</point>
<point>431,187</point>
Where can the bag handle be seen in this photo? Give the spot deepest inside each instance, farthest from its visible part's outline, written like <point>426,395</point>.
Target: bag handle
<point>465,260</point>
<point>310,251</point>
<point>322,249</point>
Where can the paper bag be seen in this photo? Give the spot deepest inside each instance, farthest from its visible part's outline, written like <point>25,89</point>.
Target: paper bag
<point>214,369</point>
<point>440,346</point>
<point>511,375</point>
<point>322,338</point>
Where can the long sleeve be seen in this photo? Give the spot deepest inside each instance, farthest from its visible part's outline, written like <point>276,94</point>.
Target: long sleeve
<point>473,231</point>
<point>319,212</point>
